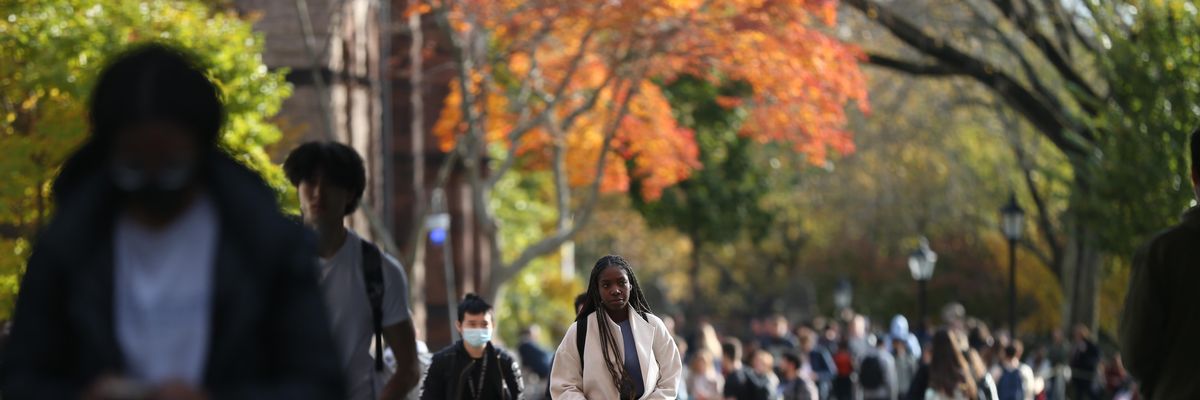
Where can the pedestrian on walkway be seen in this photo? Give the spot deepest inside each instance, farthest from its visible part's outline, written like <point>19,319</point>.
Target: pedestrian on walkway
<point>949,376</point>
<point>617,348</point>
<point>900,334</point>
<point>906,366</point>
<point>1014,379</point>
<point>473,368</point>
<point>794,385</point>
<point>1085,366</point>
<point>365,289</point>
<point>533,355</point>
<point>1160,318</point>
<point>704,382</point>
<point>819,361</point>
<point>843,384</point>
<point>168,271</point>
<point>741,383</point>
<point>877,373</point>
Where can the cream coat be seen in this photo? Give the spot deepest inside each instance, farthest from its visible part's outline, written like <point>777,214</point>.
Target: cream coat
<point>656,349</point>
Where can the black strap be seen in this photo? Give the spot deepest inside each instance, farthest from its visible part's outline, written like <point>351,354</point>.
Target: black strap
<point>581,338</point>
<point>373,277</point>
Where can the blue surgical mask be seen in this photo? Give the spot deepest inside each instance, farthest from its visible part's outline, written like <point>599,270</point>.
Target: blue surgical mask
<point>477,337</point>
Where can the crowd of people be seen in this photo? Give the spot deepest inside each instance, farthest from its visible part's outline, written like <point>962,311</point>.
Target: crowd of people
<point>851,358</point>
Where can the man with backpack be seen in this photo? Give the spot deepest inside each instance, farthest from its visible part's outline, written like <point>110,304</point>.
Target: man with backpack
<point>1014,379</point>
<point>877,373</point>
<point>365,290</point>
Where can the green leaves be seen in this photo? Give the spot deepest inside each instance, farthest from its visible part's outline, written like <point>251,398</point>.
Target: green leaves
<point>1140,182</point>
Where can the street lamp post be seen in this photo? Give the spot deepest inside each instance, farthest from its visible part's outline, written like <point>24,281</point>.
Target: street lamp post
<point>1012,222</point>
<point>921,262</point>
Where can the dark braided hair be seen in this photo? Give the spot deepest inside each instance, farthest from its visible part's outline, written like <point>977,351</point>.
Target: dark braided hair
<point>609,344</point>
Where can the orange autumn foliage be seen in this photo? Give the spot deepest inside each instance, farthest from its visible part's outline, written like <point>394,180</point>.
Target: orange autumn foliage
<point>802,79</point>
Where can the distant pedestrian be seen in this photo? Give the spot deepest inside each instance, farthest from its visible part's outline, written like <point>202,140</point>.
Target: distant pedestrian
<point>843,384</point>
<point>877,373</point>
<point>473,368</point>
<point>906,366</point>
<point>777,337</point>
<point>617,348</point>
<point>900,334</point>
<point>1085,366</point>
<point>819,362</point>
<point>793,384</point>
<point>703,381</point>
<point>1160,318</point>
<point>763,364</point>
<point>168,270</point>
<point>949,376</point>
<point>533,355</point>
<point>742,383</point>
<point>1014,379</point>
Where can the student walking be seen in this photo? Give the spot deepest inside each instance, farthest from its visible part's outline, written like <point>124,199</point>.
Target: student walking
<point>617,348</point>
<point>365,290</point>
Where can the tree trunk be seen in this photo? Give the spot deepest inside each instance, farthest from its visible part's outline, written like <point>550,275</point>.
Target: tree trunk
<point>698,305</point>
<point>1080,282</point>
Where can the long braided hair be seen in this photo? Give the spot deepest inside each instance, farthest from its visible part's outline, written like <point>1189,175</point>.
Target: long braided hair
<point>609,344</point>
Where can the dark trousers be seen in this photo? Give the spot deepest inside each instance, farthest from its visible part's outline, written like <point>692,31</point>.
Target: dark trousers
<point>843,388</point>
<point>1083,389</point>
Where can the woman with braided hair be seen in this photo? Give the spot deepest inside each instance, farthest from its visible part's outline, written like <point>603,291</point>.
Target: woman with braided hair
<point>617,348</point>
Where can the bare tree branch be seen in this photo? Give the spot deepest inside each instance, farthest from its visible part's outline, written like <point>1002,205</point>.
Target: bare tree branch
<point>525,126</point>
<point>1018,97</point>
<point>1039,88</point>
<point>1023,19</point>
<point>912,68</point>
<point>552,242</point>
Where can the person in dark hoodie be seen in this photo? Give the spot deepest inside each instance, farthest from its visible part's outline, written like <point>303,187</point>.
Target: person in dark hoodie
<point>168,271</point>
<point>473,368</point>
<point>1160,317</point>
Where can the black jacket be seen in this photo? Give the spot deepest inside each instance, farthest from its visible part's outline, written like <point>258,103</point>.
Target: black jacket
<point>269,338</point>
<point>1160,322</point>
<point>446,378</point>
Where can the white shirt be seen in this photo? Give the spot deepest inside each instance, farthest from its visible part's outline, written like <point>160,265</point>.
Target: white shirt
<point>349,310</point>
<point>163,284</point>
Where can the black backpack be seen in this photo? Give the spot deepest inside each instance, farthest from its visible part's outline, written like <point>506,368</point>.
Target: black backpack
<point>870,372</point>
<point>373,276</point>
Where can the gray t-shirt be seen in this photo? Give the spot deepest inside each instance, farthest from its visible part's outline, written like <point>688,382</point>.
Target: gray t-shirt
<point>350,313</point>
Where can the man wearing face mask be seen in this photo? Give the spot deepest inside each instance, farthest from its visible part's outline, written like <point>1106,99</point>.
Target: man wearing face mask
<point>168,271</point>
<point>473,369</point>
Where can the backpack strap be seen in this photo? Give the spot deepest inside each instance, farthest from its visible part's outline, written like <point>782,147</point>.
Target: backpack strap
<point>373,276</point>
<point>581,326</point>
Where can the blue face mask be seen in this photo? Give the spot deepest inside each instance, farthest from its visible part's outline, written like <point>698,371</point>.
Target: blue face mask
<point>477,337</point>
